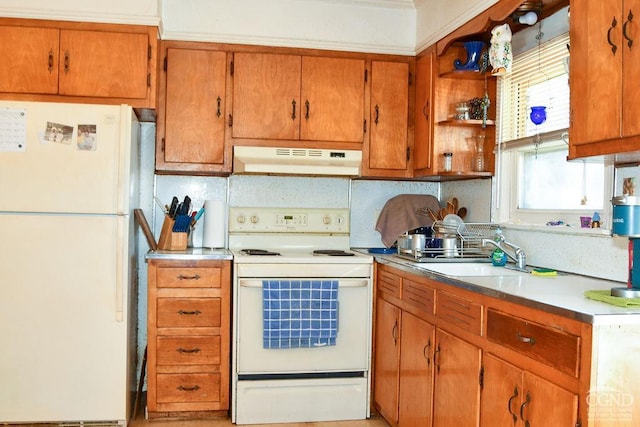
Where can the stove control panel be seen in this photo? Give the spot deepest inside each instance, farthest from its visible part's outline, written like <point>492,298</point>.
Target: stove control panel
<point>288,220</point>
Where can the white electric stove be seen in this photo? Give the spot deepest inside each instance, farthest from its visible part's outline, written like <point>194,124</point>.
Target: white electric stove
<point>313,379</point>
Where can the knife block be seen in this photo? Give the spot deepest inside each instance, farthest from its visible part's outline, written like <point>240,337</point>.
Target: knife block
<point>170,240</point>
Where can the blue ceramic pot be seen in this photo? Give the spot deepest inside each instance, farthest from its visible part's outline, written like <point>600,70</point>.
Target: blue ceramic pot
<point>474,51</point>
<point>538,114</point>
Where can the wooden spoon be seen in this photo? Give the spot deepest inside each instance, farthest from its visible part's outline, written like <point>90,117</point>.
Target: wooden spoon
<point>451,209</point>
<point>462,212</point>
<point>443,213</point>
<point>432,215</point>
<point>454,201</point>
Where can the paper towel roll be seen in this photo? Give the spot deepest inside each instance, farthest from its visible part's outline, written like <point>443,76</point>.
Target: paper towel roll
<point>214,229</point>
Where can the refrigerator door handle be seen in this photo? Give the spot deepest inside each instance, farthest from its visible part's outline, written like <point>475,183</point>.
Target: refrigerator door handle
<point>121,260</point>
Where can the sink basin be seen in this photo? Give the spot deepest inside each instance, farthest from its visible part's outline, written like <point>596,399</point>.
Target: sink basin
<point>468,269</point>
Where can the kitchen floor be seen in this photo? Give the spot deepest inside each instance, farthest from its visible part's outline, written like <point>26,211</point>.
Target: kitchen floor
<point>374,421</point>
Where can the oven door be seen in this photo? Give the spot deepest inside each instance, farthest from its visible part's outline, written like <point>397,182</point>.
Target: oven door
<point>350,354</point>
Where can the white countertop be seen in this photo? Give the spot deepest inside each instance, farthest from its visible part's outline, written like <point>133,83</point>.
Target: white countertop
<point>562,294</point>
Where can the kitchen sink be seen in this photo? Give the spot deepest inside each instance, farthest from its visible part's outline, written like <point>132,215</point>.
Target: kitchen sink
<point>468,269</point>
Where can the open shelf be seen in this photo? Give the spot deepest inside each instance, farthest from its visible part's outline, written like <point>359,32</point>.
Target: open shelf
<point>472,123</point>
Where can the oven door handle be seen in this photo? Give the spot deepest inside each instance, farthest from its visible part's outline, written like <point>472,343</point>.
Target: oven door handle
<point>349,283</point>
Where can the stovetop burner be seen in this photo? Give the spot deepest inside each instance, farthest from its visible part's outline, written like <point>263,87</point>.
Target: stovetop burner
<point>332,252</point>
<point>259,252</point>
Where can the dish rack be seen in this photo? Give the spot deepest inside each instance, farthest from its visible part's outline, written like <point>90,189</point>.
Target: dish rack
<point>459,242</point>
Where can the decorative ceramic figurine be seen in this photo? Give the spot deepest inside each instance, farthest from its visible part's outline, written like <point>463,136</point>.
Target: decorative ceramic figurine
<point>500,54</point>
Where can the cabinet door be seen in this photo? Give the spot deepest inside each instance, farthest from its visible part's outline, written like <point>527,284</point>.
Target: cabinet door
<point>596,71</point>
<point>631,65</point>
<point>30,60</point>
<point>416,372</point>
<point>457,387</point>
<point>194,111</point>
<point>511,397</point>
<point>332,99</point>
<point>423,148</point>
<point>388,143</point>
<point>266,96</point>
<point>545,404</point>
<point>104,64</point>
<point>501,393</point>
<point>387,351</point>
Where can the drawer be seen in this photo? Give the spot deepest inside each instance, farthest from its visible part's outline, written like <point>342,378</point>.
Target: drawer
<point>182,388</point>
<point>188,350</point>
<point>551,346</point>
<point>388,283</point>
<point>189,277</point>
<point>459,312</point>
<point>188,312</point>
<point>418,295</point>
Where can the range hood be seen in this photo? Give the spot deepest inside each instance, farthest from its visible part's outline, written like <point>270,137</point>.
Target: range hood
<point>296,161</point>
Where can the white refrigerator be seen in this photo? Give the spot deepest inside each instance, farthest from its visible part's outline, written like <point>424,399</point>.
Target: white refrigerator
<point>68,275</point>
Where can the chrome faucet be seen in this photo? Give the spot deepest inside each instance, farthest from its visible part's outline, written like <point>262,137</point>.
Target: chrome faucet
<point>518,256</point>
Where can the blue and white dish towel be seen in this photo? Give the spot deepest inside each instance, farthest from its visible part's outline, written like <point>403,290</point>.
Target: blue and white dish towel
<point>299,313</point>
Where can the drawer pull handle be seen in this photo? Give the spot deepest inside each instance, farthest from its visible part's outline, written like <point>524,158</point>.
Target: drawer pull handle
<point>194,277</point>
<point>525,339</point>
<point>183,388</point>
<point>526,402</point>
<point>513,415</point>
<point>189,313</point>
<point>188,350</point>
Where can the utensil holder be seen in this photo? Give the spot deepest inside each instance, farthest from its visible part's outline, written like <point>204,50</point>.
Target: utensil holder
<point>170,240</point>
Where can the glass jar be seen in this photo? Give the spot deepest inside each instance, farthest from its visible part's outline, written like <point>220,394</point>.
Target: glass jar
<point>462,111</point>
<point>448,158</point>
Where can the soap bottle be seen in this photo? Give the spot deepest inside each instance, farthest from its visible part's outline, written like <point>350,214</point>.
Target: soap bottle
<point>498,257</point>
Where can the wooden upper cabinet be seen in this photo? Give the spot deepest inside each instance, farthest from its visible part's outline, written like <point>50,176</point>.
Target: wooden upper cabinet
<point>388,150</point>
<point>423,127</point>
<point>30,63</point>
<point>603,78</point>
<point>333,99</point>
<point>103,64</point>
<point>266,96</point>
<point>192,114</point>
<point>292,97</point>
<point>78,62</point>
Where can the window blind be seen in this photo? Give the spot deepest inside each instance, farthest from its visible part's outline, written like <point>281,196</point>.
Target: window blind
<point>538,77</point>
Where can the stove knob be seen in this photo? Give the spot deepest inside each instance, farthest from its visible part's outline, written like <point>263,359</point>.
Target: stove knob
<point>340,219</point>
<point>254,219</point>
<point>326,220</point>
<point>240,219</point>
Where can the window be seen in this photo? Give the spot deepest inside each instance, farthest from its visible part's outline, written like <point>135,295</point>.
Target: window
<point>535,183</point>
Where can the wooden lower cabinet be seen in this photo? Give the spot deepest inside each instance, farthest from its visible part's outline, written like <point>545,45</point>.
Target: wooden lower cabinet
<point>386,368</point>
<point>513,397</point>
<point>188,337</point>
<point>450,357</point>
<point>456,401</point>
<point>416,371</point>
